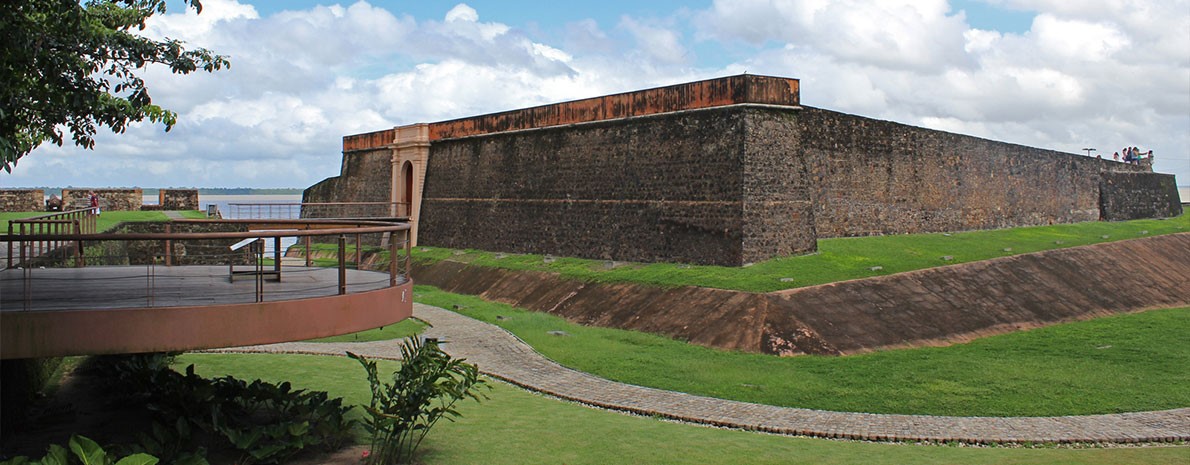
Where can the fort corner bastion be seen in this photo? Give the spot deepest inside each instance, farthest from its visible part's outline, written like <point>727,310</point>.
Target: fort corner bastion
<point>725,171</point>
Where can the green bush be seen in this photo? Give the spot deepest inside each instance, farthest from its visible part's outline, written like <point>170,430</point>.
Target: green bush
<point>82,451</point>
<point>268,423</point>
<point>424,390</point>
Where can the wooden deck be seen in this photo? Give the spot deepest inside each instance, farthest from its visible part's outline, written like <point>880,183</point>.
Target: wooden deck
<point>133,309</point>
<point>114,287</point>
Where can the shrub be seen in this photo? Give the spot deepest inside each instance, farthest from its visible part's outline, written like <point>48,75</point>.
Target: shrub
<point>82,451</point>
<point>268,423</point>
<point>423,391</point>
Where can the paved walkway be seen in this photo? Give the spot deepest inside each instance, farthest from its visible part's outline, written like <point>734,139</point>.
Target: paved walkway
<point>502,355</point>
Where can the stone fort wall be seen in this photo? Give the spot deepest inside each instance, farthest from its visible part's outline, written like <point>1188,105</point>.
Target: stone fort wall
<point>669,187</point>
<point>736,185</point>
<point>365,176</point>
<point>880,177</point>
<point>734,176</point>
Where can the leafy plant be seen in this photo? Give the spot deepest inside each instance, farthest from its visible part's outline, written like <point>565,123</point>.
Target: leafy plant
<point>272,422</point>
<point>423,391</point>
<point>267,422</point>
<point>82,451</point>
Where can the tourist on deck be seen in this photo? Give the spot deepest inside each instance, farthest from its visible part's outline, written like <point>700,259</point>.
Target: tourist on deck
<point>1115,156</point>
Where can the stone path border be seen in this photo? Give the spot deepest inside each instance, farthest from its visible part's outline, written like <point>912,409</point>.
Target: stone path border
<point>500,354</point>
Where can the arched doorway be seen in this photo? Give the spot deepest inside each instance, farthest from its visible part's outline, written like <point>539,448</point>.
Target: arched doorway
<point>405,206</point>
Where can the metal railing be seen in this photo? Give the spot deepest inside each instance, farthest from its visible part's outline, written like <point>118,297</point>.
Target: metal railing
<point>195,244</point>
<point>52,227</point>
<point>295,210</point>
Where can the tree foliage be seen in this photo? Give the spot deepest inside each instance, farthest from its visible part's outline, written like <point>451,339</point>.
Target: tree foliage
<point>74,67</point>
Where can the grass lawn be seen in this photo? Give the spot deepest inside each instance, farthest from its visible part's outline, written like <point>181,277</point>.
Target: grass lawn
<point>837,259</point>
<point>401,330</point>
<point>517,427</point>
<point>1115,364</point>
<point>106,221</point>
<point>193,214</point>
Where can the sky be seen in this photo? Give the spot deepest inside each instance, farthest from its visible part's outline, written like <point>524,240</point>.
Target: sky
<point>1054,74</point>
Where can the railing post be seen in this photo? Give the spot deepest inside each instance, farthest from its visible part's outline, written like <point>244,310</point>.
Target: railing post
<point>342,264</point>
<point>9,246</point>
<point>259,257</point>
<point>23,246</point>
<point>357,252</point>
<point>408,252</point>
<point>79,256</point>
<point>277,256</point>
<point>169,246</point>
<point>392,263</point>
<point>307,238</point>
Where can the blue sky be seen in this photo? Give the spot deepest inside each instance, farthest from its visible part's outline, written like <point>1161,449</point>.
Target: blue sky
<point>1046,73</point>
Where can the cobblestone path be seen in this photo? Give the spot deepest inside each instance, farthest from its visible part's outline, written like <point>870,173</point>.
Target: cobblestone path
<point>500,354</point>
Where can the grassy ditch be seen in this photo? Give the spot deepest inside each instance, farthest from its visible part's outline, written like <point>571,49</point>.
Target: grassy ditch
<point>517,427</point>
<point>1114,364</point>
<point>837,259</point>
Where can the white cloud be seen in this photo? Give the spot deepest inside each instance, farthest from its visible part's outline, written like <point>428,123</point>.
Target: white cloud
<point>900,34</point>
<point>656,43</point>
<point>1078,40</point>
<point>462,12</point>
<point>1100,73</point>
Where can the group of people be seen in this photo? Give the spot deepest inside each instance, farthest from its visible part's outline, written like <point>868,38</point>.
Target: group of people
<point>1132,155</point>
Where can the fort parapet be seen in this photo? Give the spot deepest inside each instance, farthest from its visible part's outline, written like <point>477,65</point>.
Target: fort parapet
<point>725,171</point>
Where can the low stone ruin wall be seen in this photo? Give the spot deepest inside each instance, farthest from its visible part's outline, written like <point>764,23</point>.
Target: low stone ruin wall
<point>178,199</point>
<point>109,199</point>
<point>22,200</point>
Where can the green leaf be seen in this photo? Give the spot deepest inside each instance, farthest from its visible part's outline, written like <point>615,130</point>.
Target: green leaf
<point>56,455</point>
<point>87,451</point>
<point>298,429</point>
<point>138,459</point>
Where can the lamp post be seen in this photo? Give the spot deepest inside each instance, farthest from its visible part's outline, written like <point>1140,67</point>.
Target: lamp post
<point>1089,150</point>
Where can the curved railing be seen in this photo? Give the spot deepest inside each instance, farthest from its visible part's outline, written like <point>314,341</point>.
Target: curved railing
<point>366,210</point>
<point>200,284</point>
<point>226,248</point>
<point>54,225</point>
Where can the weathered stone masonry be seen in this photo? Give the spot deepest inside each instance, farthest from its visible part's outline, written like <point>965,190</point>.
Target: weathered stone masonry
<point>727,171</point>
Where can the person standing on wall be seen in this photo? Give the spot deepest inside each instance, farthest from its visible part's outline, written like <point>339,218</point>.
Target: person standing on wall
<point>94,199</point>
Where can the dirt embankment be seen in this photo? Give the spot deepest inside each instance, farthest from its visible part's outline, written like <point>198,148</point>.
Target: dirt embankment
<point>936,306</point>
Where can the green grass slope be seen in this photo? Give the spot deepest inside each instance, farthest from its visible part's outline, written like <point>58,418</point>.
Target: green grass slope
<point>837,259</point>
<point>1115,364</point>
<point>517,427</point>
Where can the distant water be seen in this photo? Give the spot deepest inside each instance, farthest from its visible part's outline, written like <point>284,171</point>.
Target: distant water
<point>226,209</point>
<point>224,203</point>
